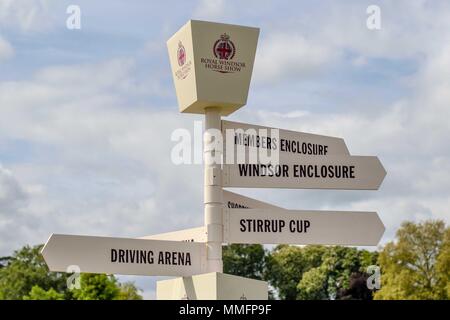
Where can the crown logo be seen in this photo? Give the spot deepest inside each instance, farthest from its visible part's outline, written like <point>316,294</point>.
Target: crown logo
<point>225,37</point>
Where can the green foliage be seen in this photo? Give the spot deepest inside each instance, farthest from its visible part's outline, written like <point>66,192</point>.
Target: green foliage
<point>357,288</point>
<point>97,287</point>
<point>287,264</point>
<point>25,275</point>
<point>247,261</point>
<point>26,269</point>
<point>315,272</point>
<point>312,285</point>
<point>128,291</point>
<point>417,265</point>
<point>244,260</point>
<point>37,293</point>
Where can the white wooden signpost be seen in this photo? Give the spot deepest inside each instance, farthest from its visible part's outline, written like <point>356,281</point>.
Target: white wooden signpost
<point>308,172</point>
<point>302,227</point>
<point>124,256</point>
<point>211,66</point>
<point>287,143</point>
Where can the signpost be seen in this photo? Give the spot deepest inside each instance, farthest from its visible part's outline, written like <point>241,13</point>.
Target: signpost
<point>309,172</point>
<point>242,138</point>
<point>212,65</point>
<point>124,256</point>
<point>302,227</point>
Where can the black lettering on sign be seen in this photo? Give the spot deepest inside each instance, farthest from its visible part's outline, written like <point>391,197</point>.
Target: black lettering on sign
<point>294,146</point>
<point>263,170</point>
<point>330,171</point>
<point>174,258</point>
<point>299,226</point>
<point>256,141</point>
<point>234,205</point>
<point>132,256</point>
<point>261,225</point>
<point>273,225</point>
<point>161,258</point>
<point>113,255</point>
<point>242,223</point>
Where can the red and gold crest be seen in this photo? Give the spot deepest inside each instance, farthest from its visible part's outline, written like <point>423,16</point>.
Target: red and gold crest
<point>224,48</point>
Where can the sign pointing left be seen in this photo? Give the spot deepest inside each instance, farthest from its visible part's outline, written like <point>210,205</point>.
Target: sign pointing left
<point>124,256</point>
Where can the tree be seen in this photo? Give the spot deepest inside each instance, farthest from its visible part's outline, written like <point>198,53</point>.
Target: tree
<point>37,293</point>
<point>312,285</point>
<point>417,264</point>
<point>26,269</point>
<point>244,260</point>
<point>316,272</point>
<point>25,275</point>
<point>357,288</point>
<point>247,261</point>
<point>97,287</point>
<point>287,264</point>
<point>339,267</point>
<point>128,291</point>
<point>443,266</point>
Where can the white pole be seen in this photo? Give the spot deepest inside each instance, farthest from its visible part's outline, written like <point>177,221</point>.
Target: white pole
<point>213,192</point>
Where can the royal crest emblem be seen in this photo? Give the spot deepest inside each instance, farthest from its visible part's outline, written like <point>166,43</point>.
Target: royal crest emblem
<point>181,54</point>
<point>224,48</point>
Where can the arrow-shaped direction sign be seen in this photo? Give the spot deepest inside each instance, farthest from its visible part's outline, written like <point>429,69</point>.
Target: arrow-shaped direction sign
<point>187,235</point>
<point>308,172</point>
<point>233,200</point>
<point>302,227</point>
<point>241,137</point>
<point>124,256</point>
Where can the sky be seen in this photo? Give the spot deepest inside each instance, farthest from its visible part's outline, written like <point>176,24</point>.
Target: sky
<point>86,115</point>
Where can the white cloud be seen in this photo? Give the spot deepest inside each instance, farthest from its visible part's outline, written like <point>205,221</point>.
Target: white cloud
<point>211,9</point>
<point>25,15</point>
<point>6,49</point>
<point>12,195</point>
<point>407,28</point>
<point>17,220</point>
<point>304,47</point>
<point>284,56</point>
<point>105,165</point>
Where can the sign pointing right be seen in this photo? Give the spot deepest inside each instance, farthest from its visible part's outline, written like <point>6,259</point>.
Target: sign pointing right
<point>302,227</point>
<point>287,143</point>
<point>308,172</point>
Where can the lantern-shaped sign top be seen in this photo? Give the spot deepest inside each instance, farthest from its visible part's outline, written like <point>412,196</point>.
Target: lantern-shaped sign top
<point>212,65</point>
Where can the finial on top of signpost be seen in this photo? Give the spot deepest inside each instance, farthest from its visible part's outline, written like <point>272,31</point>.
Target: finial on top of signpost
<point>212,65</point>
